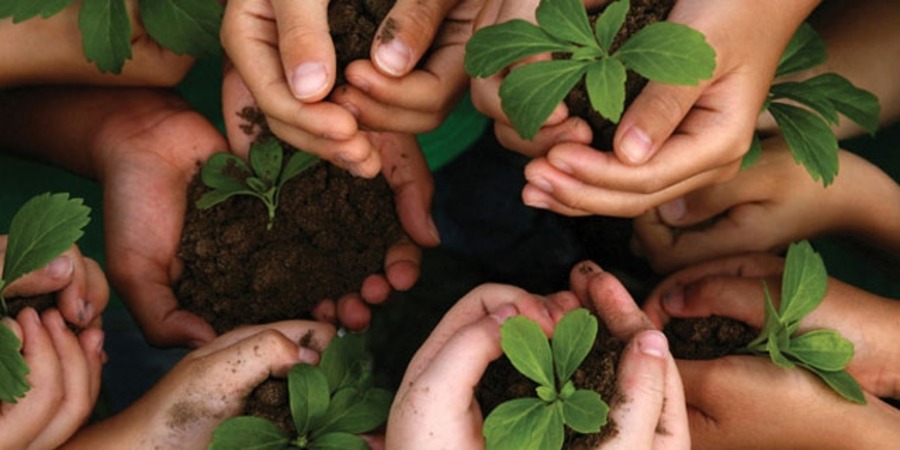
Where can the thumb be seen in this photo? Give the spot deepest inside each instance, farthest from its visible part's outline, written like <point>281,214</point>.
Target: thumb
<point>651,119</point>
<point>406,34</point>
<point>739,298</point>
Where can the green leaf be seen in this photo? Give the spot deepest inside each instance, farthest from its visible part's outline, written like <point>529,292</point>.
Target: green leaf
<point>247,432</point>
<point>605,82</point>
<point>572,341</point>
<point>184,27</point>
<point>771,325</point>
<point>610,22</point>
<point>297,163</point>
<point>752,156</point>
<point>105,33</point>
<point>843,383</point>
<point>309,396</point>
<point>345,361</point>
<point>213,198</point>
<point>353,411</point>
<point>669,53</point>
<point>776,353</point>
<point>524,424</point>
<point>858,105</point>
<point>807,95</point>
<point>339,441</point>
<point>810,140</point>
<point>825,350</point>
<point>805,51</point>
<point>13,368</point>
<point>24,10</point>
<point>527,348</point>
<point>546,393</point>
<point>804,283</point>
<point>585,411</point>
<point>530,93</point>
<point>565,20</point>
<point>493,48</point>
<point>567,390</point>
<point>43,228</point>
<point>266,159</point>
<point>217,172</point>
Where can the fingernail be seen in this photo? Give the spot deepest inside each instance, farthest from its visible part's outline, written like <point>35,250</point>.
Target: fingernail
<point>636,146</point>
<point>536,200</point>
<point>562,166</point>
<point>352,109</point>
<point>653,343</point>
<point>98,344</point>
<point>308,356</point>
<point>85,313</point>
<point>60,267</point>
<point>673,301</point>
<point>393,57</point>
<point>433,230</point>
<point>309,79</point>
<point>673,211</point>
<point>542,184</point>
<point>589,267</point>
<point>504,312</point>
<point>359,83</point>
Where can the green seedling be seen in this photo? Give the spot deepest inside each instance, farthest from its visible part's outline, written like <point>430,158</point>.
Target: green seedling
<point>806,110</point>
<point>539,422</point>
<point>822,352</point>
<point>665,52</point>
<point>183,26</point>
<point>227,175</point>
<point>330,403</point>
<point>43,228</point>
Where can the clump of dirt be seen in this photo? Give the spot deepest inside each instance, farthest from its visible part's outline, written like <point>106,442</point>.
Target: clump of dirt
<point>353,25</point>
<point>708,337</point>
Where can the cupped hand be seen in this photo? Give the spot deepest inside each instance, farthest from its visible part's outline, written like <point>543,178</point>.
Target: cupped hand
<point>733,287</point>
<point>64,381</point>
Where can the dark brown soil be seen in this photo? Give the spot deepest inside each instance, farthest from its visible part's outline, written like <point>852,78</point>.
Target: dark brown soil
<point>707,338</point>
<point>353,25</point>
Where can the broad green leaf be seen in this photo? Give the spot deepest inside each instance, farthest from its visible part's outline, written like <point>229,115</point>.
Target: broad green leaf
<point>353,411</point>
<point>858,105</point>
<point>43,228</point>
<point>184,27</point>
<point>752,156</point>
<point>531,92</point>
<point>806,50</point>
<point>585,411</point>
<point>669,53</point>
<point>572,341</point>
<point>605,82</point>
<point>13,368</point>
<point>565,20</point>
<point>805,94</point>
<point>524,424</point>
<point>266,159</point>
<point>527,348</point>
<point>810,140</point>
<point>777,355</point>
<point>843,383</point>
<point>24,10</point>
<point>105,33</point>
<point>219,172</point>
<point>551,420</point>
<point>825,350</point>
<point>610,22</point>
<point>247,432</point>
<point>213,198</point>
<point>308,394</point>
<point>344,361</point>
<point>803,283</point>
<point>339,441</point>
<point>493,48</point>
<point>297,163</point>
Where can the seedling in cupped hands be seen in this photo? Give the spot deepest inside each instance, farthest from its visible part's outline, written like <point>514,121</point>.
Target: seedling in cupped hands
<point>43,228</point>
<point>227,175</point>
<point>823,352</point>
<point>807,128</point>
<point>539,422</point>
<point>330,403</point>
<point>664,51</point>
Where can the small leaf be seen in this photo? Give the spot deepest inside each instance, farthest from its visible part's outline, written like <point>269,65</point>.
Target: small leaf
<point>610,22</point>
<point>810,140</point>
<point>184,27</point>
<point>266,159</point>
<point>752,156</point>
<point>13,368</point>
<point>843,383</point>
<point>105,33</point>
<point>493,48</point>
<point>572,341</point>
<point>511,424</point>
<point>804,283</point>
<point>344,361</point>
<point>24,10</point>
<point>44,227</point>
<point>669,53</point>
<point>777,355</point>
<point>258,185</point>
<point>527,348</point>
<point>585,411</point>
<point>297,163</point>
<point>567,390</point>
<point>809,96</point>
<point>339,441</point>
<point>770,327</point>
<point>530,93</point>
<point>213,198</point>
<point>546,393</point>
<point>805,51</point>
<point>353,411</point>
<point>825,350</point>
<point>308,393</point>
<point>858,105</point>
<point>605,82</point>
<point>246,432</point>
<point>565,20</point>
<point>216,172</point>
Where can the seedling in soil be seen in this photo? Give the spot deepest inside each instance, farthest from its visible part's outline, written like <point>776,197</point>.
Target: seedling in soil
<point>539,422</point>
<point>227,175</point>
<point>330,403</point>
<point>807,128</point>
<point>184,27</point>
<point>664,51</point>
<point>822,352</point>
<point>42,229</point>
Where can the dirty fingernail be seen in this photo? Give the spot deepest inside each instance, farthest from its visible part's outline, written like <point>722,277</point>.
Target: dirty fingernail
<point>653,343</point>
<point>393,57</point>
<point>673,300</point>
<point>636,146</point>
<point>60,267</point>
<point>309,79</point>
<point>433,230</point>
<point>673,211</point>
<point>308,356</point>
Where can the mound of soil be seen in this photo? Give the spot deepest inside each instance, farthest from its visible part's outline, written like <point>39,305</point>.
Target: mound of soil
<point>353,25</point>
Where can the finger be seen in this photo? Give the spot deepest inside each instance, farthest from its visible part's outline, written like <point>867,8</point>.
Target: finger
<point>45,377</point>
<point>236,98</point>
<point>355,154</point>
<point>353,312</point>
<point>307,51</point>
<point>98,290</point>
<point>615,307</point>
<point>314,335</point>
<point>50,278</point>
<point>579,278</point>
<point>571,129</point>
<point>85,298</point>
<point>406,34</point>
<point>402,264</point>
<point>739,298</point>
<point>385,115</point>
<point>375,288</point>
<point>325,311</point>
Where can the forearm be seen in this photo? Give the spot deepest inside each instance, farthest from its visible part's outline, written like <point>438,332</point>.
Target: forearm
<point>870,205</point>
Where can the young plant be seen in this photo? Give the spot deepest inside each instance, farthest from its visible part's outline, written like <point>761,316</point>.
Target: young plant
<point>822,352</point>
<point>538,422</point>
<point>330,403</point>
<point>664,51</point>
<point>42,229</point>
<point>227,175</point>
<point>184,27</point>
<point>807,128</point>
